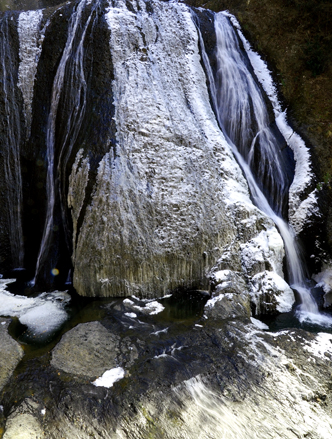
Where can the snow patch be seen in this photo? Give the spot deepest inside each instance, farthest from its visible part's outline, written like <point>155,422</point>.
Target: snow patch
<point>267,248</point>
<point>321,345</point>
<point>270,292</point>
<point>324,278</point>
<point>42,315</point>
<point>132,315</point>
<point>211,302</point>
<point>305,211</point>
<point>222,275</point>
<point>259,324</point>
<point>161,331</point>
<point>110,377</point>
<point>303,174</point>
<point>151,308</point>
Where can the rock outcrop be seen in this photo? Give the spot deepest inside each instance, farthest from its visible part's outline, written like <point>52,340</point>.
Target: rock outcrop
<point>123,164</point>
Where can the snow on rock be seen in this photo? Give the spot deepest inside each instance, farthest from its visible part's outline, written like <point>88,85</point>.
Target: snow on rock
<point>132,315</point>
<point>227,281</point>
<point>324,280</point>
<point>264,251</point>
<point>270,293</point>
<point>257,268</point>
<point>170,198</point>
<point>42,315</point>
<point>110,377</point>
<point>151,307</point>
<point>306,211</point>
<point>303,175</point>
<point>258,323</point>
<point>320,346</point>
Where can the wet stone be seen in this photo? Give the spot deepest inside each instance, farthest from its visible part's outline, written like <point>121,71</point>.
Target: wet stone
<point>87,350</point>
<point>10,353</point>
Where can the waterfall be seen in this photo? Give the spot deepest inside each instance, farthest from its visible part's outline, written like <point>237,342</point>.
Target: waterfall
<point>69,85</point>
<point>242,114</point>
<point>10,142</point>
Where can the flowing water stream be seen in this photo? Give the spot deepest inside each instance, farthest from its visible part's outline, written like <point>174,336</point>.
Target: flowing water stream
<point>242,114</point>
<point>69,84</point>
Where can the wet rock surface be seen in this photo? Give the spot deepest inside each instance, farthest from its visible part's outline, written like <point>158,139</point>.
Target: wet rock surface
<point>187,373</point>
<point>89,350</point>
<point>10,353</point>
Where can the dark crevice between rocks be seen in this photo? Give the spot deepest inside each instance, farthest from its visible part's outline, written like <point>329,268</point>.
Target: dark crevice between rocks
<point>12,124</point>
<point>35,161</point>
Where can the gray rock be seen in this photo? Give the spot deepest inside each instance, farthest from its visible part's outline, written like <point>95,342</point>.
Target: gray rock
<point>24,422</point>
<point>231,380</point>
<point>23,426</point>
<point>228,306</point>
<point>89,350</point>
<point>10,353</point>
<point>230,296</point>
<point>270,294</point>
<point>169,197</point>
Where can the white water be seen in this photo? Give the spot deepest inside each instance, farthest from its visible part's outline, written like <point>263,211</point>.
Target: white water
<point>70,71</point>
<point>30,50</point>
<point>238,102</point>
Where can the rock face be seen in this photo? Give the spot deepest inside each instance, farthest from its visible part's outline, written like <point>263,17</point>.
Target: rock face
<point>161,206</point>
<point>23,426</point>
<point>10,353</point>
<point>133,183</point>
<point>127,183</point>
<point>89,350</point>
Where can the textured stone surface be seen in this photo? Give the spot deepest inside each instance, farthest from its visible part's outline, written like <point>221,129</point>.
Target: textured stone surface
<point>270,294</point>
<point>166,198</point>
<point>23,426</point>
<point>88,349</point>
<point>10,353</point>
<point>210,377</point>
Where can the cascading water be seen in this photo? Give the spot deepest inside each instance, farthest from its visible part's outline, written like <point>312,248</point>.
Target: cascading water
<point>70,85</point>
<point>243,116</point>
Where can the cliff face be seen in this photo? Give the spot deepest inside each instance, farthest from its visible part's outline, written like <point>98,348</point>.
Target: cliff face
<point>295,38</point>
<point>168,196</point>
<point>115,165</point>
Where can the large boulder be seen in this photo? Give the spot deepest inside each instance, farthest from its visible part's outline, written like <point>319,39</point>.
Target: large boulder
<point>167,196</point>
